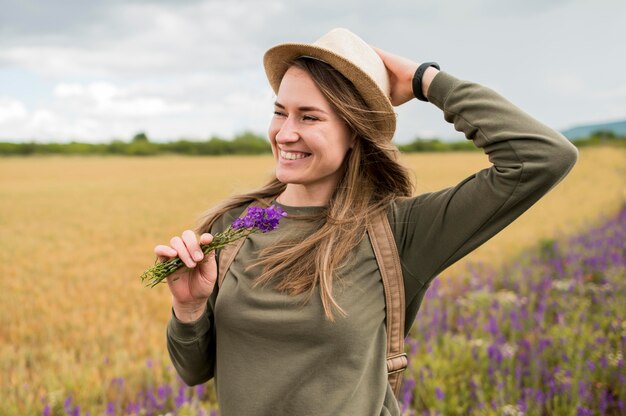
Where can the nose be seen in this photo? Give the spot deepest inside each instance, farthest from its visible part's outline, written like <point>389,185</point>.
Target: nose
<point>287,131</point>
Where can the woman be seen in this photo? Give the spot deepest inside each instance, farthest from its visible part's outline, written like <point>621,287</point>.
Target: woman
<point>298,325</point>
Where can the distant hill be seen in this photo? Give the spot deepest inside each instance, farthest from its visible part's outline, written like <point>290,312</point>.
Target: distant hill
<point>617,127</point>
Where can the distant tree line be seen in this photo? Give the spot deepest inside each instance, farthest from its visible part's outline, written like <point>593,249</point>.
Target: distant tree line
<point>246,143</point>
<point>601,137</point>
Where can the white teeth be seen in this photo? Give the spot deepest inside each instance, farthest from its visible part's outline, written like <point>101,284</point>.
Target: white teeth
<point>292,156</point>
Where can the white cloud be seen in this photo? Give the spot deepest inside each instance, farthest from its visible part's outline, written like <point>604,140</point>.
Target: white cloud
<point>138,107</point>
<point>106,100</point>
<point>43,118</point>
<point>133,38</point>
<point>69,90</point>
<point>11,109</point>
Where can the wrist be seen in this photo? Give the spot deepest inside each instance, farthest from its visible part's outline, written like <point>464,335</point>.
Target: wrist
<point>421,82</point>
<point>188,312</point>
<point>427,78</point>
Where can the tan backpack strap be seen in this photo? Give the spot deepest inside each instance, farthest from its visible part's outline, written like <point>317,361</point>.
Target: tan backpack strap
<point>226,257</point>
<point>227,254</point>
<point>388,260</point>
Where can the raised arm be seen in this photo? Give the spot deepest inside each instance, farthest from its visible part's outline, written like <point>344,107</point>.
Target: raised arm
<point>435,230</point>
<point>528,159</point>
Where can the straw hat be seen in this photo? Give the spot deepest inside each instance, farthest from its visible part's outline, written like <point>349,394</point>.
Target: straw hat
<point>349,55</point>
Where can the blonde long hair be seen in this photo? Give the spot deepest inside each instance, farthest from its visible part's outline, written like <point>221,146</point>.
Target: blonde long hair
<point>372,178</point>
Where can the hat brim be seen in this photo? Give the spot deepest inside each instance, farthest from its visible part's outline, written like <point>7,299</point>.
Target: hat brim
<point>278,59</point>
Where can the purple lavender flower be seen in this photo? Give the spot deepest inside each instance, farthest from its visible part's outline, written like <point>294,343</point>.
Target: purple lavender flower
<point>439,394</point>
<point>151,401</point>
<point>179,400</point>
<point>543,344</point>
<point>407,393</point>
<point>199,390</point>
<point>604,362</point>
<point>67,405</point>
<point>164,391</point>
<point>582,390</point>
<point>494,354</point>
<point>133,408</point>
<point>264,219</point>
<point>604,402</point>
<point>540,397</point>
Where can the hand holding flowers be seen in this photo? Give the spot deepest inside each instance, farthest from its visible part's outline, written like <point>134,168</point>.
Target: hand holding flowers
<point>189,265</point>
<point>188,252</point>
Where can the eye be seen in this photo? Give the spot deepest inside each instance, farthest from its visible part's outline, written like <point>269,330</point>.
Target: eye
<point>310,118</point>
<point>279,114</point>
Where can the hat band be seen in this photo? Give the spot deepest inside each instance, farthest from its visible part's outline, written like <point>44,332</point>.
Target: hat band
<point>313,57</point>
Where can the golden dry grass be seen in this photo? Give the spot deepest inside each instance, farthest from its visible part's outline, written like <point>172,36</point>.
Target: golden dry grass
<point>76,232</point>
<point>595,187</point>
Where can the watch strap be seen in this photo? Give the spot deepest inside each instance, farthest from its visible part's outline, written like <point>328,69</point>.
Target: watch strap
<point>417,79</point>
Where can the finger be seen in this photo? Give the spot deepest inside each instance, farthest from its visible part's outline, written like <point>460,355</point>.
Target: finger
<point>385,57</point>
<point>208,269</point>
<point>206,238</point>
<point>165,252</point>
<point>191,242</point>
<point>379,51</point>
<point>390,60</point>
<point>397,65</point>
<point>180,247</point>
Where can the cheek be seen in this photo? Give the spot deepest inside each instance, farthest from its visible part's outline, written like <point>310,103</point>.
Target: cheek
<point>345,144</point>
<point>271,134</point>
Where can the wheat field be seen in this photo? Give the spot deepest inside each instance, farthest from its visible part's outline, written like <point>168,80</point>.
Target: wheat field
<point>76,233</point>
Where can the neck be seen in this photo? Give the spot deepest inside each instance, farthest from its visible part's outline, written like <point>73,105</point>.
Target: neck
<point>303,196</point>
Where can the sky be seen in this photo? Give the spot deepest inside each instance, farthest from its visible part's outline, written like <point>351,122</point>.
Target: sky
<point>99,70</point>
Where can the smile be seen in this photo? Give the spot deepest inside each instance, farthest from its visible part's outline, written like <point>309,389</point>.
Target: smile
<point>293,155</point>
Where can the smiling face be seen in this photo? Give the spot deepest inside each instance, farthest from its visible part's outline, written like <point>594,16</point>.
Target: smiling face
<point>309,140</point>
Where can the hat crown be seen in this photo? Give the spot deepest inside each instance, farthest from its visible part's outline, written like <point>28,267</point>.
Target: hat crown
<point>354,49</point>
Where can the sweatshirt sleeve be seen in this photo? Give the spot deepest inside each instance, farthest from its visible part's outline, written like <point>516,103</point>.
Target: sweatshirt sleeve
<point>436,229</point>
<point>191,346</point>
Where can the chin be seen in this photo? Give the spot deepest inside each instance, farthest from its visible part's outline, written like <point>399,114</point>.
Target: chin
<point>287,178</point>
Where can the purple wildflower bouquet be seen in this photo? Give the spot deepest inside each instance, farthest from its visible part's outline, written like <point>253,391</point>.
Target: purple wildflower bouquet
<point>256,219</point>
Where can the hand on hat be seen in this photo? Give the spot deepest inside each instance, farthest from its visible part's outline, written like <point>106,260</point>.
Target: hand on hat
<point>401,71</point>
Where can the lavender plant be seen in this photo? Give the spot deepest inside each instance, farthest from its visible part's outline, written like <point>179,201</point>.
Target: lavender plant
<point>257,219</point>
<point>544,335</point>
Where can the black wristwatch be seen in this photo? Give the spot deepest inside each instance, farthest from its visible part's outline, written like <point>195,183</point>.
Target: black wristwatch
<point>417,79</point>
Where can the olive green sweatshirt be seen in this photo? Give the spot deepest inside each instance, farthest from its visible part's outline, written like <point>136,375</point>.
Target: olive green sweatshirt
<point>273,354</point>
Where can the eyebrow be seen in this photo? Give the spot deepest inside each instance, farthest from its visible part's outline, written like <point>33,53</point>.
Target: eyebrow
<point>304,108</point>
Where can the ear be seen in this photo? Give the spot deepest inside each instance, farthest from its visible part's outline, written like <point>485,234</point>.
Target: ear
<point>353,140</point>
